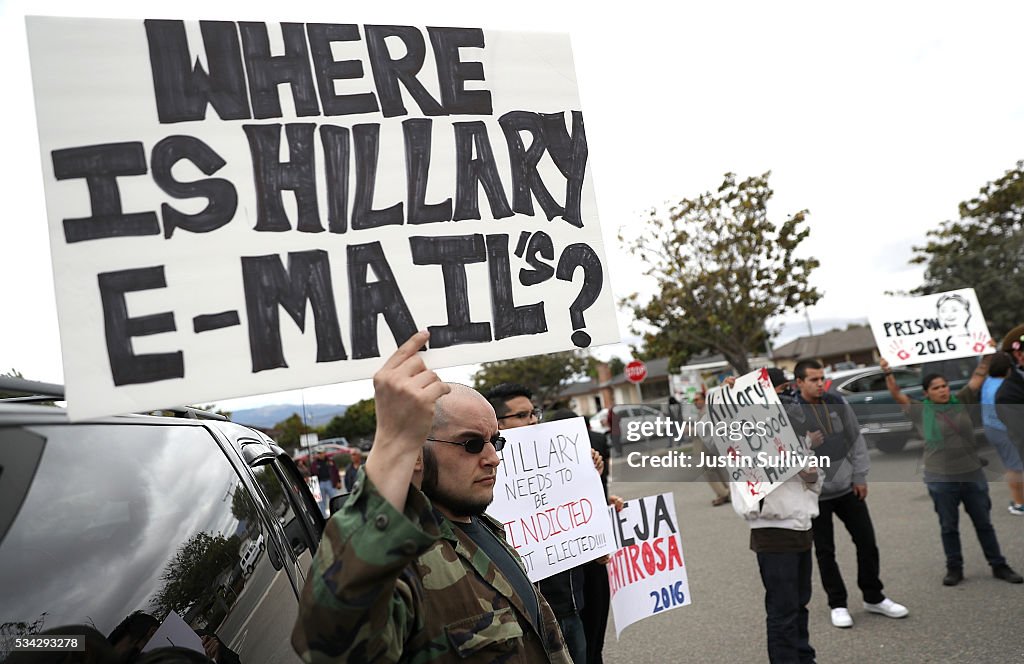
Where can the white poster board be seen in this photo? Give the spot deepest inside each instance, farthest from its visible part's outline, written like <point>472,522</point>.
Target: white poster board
<point>752,432</point>
<point>174,632</point>
<point>941,326</point>
<point>647,574</point>
<point>244,207</point>
<point>549,497</point>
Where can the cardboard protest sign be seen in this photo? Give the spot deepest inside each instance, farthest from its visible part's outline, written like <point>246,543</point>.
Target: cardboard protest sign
<point>940,326</point>
<point>246,207</point>
<point>549,498</point>
<point>755,439</point>
<point>646,574</point>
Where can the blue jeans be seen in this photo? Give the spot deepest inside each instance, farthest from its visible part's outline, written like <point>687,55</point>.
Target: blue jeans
<point>575,639</point>
<point>327,491</point>
<point>947,497</point>
<point>787,590</point>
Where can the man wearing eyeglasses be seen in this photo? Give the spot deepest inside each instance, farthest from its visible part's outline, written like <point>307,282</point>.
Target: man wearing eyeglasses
<point>411,567</point>
<point>513,405</point>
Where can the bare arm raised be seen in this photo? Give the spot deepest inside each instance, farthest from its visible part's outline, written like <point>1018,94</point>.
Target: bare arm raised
<point>405,391</point>
<point>890,382</point>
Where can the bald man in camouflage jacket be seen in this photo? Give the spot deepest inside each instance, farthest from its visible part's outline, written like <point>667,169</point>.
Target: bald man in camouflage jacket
<point>404,575</point>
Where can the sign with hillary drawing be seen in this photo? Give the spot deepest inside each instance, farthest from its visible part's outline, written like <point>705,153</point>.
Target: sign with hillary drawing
<point>242,207</point>
<point>940,326</point>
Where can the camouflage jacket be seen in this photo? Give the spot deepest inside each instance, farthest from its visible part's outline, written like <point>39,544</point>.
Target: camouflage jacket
<point>393,587</point>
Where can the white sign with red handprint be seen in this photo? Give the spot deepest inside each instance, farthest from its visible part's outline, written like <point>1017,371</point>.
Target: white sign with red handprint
<point>754,437</point>
<point>941,326</point>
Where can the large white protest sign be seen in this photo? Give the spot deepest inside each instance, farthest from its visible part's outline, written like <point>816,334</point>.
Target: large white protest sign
<point>246,207</point>
<point>548,495</point>
<point>940,326</point>
<point>646,574</point>
<point>755,439</point>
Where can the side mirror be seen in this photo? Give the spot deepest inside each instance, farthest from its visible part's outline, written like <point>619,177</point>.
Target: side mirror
<point>337,502</point>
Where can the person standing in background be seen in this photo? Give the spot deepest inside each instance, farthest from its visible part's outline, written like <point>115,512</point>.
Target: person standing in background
<point>716,477</point>
<point>952,469</point>
<point>353,469</point>
<point>833,431</point>
<point>1010,395</point>
<point>996,433</point>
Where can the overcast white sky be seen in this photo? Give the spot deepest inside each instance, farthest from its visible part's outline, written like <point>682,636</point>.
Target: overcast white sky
<point>877,117</point>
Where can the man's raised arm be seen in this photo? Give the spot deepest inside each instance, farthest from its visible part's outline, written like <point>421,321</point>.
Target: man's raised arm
<point>404,391</point>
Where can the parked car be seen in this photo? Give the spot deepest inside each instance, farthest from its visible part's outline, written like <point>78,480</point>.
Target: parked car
<point>621,418</point>
<point>104,518</point>
<point>882,422</point>
<point>252,552</point>
<point>599,421</point>
<point>322,450</point>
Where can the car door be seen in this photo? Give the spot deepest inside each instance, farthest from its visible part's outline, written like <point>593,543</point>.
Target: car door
<point>105,521</point>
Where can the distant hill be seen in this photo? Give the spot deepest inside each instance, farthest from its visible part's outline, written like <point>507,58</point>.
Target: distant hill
<point>317,414</point>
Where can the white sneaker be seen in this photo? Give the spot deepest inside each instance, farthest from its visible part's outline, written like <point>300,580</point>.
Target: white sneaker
<point>841,617</point>
<point>887,607</point>
<point>1016,509</point>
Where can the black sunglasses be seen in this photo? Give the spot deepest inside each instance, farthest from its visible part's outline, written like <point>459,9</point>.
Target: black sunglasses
<point>476,445</point>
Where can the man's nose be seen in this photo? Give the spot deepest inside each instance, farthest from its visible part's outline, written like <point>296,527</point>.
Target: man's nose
<point>489,456</point>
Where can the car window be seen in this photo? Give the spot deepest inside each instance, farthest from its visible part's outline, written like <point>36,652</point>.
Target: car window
<point>858,385</point>
<point>120,519</point>
<point>907,379</point>
<point>293,508</point>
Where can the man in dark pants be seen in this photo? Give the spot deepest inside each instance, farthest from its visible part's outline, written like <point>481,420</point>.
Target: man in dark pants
<point>514,408</point>
<point>597,594</point>
<point>780,536</point>
<point>833,430</point>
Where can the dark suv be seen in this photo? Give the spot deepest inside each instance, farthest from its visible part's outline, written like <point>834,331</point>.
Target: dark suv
<point>103,519</point>
<point>882,422</point>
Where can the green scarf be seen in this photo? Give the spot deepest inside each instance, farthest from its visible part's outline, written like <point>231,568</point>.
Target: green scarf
<point>933,437</point>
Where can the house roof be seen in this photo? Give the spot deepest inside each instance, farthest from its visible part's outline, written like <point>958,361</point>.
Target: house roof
<point>582,387</point>
<point>836,342</point>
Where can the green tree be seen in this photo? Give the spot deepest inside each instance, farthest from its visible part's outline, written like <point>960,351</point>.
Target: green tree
<point>359,419</point>
<point>289,431</point>
<point>545,375</point>
<point>722,269</point>
<point>984,250</point>
<point>191,576</point>
<point>242,507</point>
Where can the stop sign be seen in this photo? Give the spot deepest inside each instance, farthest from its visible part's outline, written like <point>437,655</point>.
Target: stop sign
<point>636,371</point>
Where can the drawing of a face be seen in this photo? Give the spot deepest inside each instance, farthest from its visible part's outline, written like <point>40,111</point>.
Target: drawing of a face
<point>954,312</point>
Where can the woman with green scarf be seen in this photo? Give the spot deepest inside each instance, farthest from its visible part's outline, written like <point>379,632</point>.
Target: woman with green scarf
<point>952,468</point>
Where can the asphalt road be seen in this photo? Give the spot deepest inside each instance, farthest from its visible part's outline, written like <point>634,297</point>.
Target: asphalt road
<point>979,620</point>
